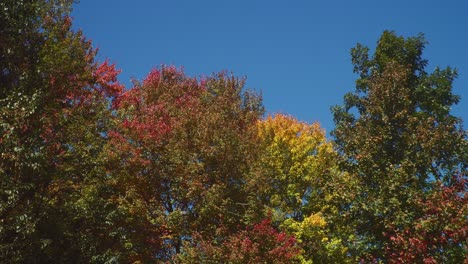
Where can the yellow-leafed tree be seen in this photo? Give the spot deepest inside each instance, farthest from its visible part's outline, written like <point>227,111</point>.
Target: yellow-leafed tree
<point>294,181</point>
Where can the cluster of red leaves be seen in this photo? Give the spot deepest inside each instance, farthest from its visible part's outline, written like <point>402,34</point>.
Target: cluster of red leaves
<point>441,230</point>
<point>255,244</point>
<point>150,122</point>
<point>152,110</point>
<point>106,77</point>
<point>262,242</point>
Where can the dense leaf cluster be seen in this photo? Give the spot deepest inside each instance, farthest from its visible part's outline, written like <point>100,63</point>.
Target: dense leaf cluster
<point>188,170</point>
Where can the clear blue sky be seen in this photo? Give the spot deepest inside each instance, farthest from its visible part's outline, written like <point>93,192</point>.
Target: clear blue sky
<point>295,52</point>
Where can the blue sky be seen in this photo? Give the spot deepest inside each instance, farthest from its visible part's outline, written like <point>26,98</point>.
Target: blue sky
<point>296,53</point>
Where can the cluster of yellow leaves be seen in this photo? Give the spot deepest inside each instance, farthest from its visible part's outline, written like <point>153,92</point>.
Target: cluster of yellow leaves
<point>296,156</point>
<point>311,233</point>
<point>295,147</point>
<point>311,227</point>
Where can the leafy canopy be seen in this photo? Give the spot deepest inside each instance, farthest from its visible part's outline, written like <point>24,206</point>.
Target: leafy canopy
<point>396,136</point>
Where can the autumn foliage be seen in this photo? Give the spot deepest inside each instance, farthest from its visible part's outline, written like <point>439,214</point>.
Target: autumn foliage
<point>257,243</point>
<point>436,235</point>
<point>181,169</point>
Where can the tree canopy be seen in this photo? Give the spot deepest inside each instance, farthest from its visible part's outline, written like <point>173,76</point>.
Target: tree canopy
<point>181,169</point>
<point>396,136</point>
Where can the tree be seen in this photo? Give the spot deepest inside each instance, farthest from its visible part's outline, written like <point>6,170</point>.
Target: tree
<point>180,154</point>
<point>293,179</point>
<point>53,116</point>
<point>396,136</point>
<point>293,166</point>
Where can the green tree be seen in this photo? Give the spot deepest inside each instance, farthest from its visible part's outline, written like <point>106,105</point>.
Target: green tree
<point>397,138</point>
<point>53,119</point>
